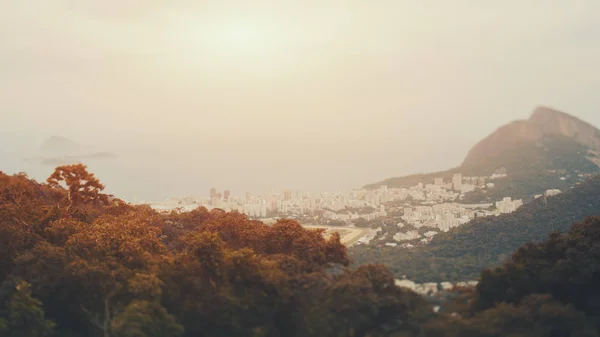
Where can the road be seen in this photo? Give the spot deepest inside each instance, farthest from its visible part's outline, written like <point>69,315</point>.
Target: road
<point>349,235</point>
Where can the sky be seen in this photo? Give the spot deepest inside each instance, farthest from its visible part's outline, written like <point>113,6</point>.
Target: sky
<point>314,95</point>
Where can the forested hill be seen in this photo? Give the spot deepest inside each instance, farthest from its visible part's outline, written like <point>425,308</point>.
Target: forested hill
<point>464,251</point>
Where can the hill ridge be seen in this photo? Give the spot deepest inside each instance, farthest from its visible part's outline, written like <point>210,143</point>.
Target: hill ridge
<point>543,122</point>
<point>550,149</point>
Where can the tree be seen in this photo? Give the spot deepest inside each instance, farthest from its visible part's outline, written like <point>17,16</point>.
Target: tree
<point>260,289</point>
<point>14,239</point>
<point>26,208</point>
<point>82,187</point>
<point>25,316</point>
<point>536,316</point>
<point>45,267</point>
<point>195,287</point>
<point>564,266</point>
<point>289,237</point>
<point>59,232</point>
<point>367,301</point>
<point>25,202</point>
<point>146,319</point>
<point>115,260</point>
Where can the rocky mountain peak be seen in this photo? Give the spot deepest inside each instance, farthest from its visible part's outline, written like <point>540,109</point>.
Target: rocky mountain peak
<point>552,122</point>
<point>544,112</point>
<point>544,122</point>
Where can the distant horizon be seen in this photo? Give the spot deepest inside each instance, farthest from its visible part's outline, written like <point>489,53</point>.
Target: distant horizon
<point>106,167</point>
<point>318,96</point>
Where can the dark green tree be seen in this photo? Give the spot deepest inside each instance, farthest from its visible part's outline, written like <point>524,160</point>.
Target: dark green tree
<point>26,316</point>
<point>146,319</point>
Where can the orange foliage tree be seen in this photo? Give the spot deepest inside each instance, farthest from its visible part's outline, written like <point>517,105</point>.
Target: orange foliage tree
<point>25,202</point>
<point>82,187</point>
<point>115,258</point>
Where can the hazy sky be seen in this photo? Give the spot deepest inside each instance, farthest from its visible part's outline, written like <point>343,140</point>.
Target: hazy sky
<point>321,95</point>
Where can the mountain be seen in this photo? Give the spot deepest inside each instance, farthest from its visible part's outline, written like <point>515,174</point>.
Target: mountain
<point>461,253</point>
<point>544,124</point>
<point>551,149</point>
<point>57,145</point>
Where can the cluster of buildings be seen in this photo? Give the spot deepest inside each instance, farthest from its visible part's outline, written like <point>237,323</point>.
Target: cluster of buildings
<point>436,203</point>
<point>345,205</point>
<point>507,205</point>
<point>432,288</point>
<point>368,204</point>
<point>443,216</point>
<point>441,191</point>
<point>423,210</point>
<point>355,215</point>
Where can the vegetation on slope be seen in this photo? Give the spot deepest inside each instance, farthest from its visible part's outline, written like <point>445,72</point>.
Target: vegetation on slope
<point>546,289</point>
<point>461,253</point>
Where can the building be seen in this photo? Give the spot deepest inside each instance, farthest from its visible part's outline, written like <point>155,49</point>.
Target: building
<point>551,193</point>
<point>226,194</point>
<point>457,181</point>
<point>263,210</point>
<point>466,188</point>
<point>287,195</point>
<point>186,201</point>
<point>507,205</point>
<point>438,181</point>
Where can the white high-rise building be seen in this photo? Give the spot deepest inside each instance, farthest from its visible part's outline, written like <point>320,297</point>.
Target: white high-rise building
<point>457,181</point>
<point>263,211</point>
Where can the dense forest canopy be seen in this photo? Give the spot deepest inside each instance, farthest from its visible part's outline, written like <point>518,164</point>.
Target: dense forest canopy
<point>75,262</point>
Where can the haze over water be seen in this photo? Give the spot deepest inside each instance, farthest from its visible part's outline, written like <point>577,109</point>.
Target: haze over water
<point>315,96</point>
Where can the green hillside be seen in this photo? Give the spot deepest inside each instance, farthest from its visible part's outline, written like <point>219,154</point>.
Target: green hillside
<point>461,253</point>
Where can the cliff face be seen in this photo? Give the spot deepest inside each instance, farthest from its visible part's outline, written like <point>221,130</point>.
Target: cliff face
<point>553,122</point>
<point>544,122</point>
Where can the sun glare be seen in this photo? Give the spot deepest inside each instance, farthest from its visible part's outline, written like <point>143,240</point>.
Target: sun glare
<point>238,37</point>
<point>226,41</point>
<point>241,36</point>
